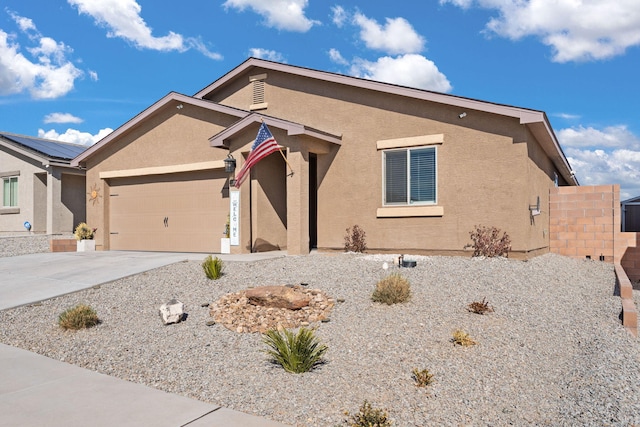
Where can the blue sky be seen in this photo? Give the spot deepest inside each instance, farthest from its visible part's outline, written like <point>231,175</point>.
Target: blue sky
<point>74,70</point>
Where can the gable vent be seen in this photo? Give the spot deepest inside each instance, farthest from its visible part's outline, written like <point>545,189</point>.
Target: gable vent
<point>258,99</point>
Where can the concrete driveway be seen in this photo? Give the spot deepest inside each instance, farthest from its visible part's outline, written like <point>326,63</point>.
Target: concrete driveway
<point>27,279</point>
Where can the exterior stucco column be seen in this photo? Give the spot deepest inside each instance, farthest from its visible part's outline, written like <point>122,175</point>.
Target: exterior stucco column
<point>54,200</point>
<point>298,203</point>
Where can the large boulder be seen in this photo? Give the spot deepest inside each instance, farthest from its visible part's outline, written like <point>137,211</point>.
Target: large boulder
<point>172,312</point>
<point>278,297</point>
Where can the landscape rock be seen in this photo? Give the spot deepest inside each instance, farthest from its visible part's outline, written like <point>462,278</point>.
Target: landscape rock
<point>172,312</point>
<point>289,297</point>
<point>238,314</point>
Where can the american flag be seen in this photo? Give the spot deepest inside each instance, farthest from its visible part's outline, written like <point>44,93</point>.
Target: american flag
<point>264,145</point>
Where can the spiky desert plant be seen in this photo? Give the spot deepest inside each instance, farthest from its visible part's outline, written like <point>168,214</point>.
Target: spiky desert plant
<point>295,352</point>
<point>78,317</point>
<point>422,378</point>
<point>84,232</point>
<point>480,307</point>
<point>394,288</point>
<point>369,416</point>
<point>355,239</point>
<point>462,338</point>
<point>213,267</point>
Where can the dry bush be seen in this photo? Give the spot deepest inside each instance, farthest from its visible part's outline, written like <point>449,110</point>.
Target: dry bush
<point>392,289</point>
<point>488,242</point>
<point>480,307</point>
<point>422,378</point>
<point>78,317</point>
<point>462,338</point>
<point>368,416</point>
<point>355,239</point>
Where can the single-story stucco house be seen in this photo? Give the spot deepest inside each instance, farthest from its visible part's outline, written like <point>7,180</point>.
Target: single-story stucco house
<point>416,170</point>
<point>40,190</point>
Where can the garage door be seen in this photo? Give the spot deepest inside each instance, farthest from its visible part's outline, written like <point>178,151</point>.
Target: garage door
<point>183,212</point>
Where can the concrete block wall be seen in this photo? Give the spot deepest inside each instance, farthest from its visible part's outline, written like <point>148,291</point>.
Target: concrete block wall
<point>583,221</point>
<point>63,245</point>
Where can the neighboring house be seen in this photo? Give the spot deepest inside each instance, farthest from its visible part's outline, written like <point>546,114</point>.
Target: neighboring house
<point>630,210</point>
<point>39,187</point>
<point>417,170</point>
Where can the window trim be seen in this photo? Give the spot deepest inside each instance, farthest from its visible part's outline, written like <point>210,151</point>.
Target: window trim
<point>8,178</point>
<point>408,204</point>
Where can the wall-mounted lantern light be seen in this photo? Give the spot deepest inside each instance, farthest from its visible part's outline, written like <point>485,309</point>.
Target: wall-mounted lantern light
<point>229,164</point>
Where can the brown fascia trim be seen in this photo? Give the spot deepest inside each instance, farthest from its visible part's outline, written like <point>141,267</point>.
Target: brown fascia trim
<point>172,97</point>
<point>220,140</point>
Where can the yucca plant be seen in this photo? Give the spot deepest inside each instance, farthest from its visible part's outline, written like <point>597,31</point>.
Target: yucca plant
<point>296,353</point>
<point>79,317</point>
<point>392,289</point>
<point>368,416</point>
<point>213,267</point>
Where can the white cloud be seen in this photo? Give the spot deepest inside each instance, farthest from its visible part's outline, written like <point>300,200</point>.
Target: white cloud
<point>271,55</point>
<point>610,137</point>
<point>122,19</point>
<point>338,16</point>
<point>93,75</point>
<point>336,56</point>
<point>575,30</point>
<point>62,118</point>
<point>48,75</point>
<point>607,156</point>
<point>280,14</point>
<point>397,36</point>
<point>75,136</point>
<point>567,116</point>
<point>407,70</point>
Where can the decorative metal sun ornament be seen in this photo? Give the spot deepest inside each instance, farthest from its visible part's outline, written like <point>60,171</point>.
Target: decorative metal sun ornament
<point>94,194</point>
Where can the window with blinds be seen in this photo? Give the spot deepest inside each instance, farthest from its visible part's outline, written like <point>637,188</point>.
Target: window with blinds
<point>410,176</point>
<point>10,191</point>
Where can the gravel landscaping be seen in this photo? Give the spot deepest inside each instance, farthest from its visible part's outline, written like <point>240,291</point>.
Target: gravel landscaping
<point>553,352</point>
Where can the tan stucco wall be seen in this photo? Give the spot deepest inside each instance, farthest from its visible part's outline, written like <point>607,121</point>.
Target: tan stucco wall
<point>11,222</point>
<point>490,169</point>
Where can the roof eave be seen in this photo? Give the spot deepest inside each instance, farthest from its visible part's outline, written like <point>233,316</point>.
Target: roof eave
<point>221,140</point>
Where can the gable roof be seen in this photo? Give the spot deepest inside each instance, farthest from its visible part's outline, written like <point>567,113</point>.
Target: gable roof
<point>45,150</point>
<point>171,97</point>
<point>536,120</point>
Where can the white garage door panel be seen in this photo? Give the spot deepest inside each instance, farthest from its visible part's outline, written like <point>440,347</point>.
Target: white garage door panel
<point>192,204</point>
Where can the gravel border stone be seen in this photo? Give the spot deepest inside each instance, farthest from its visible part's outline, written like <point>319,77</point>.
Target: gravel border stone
<point>552,353</point>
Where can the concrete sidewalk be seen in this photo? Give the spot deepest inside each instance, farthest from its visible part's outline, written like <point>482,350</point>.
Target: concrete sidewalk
<point>38,391</point>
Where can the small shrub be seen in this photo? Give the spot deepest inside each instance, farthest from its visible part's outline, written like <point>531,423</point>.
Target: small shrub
<point>462,338</point>
<point>296,353</point>
<point>355,239</point>
<point>213,267</point>
<point>84,232</point>
<point>78,317</point>
<point>487,242</point>
<point>368,416</point>
<point>422,378</point>
<point>480,307</point>
<point>392,289</point>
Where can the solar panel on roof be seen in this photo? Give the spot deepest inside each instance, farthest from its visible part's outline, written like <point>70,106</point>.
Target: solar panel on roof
<point>58,150</point>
